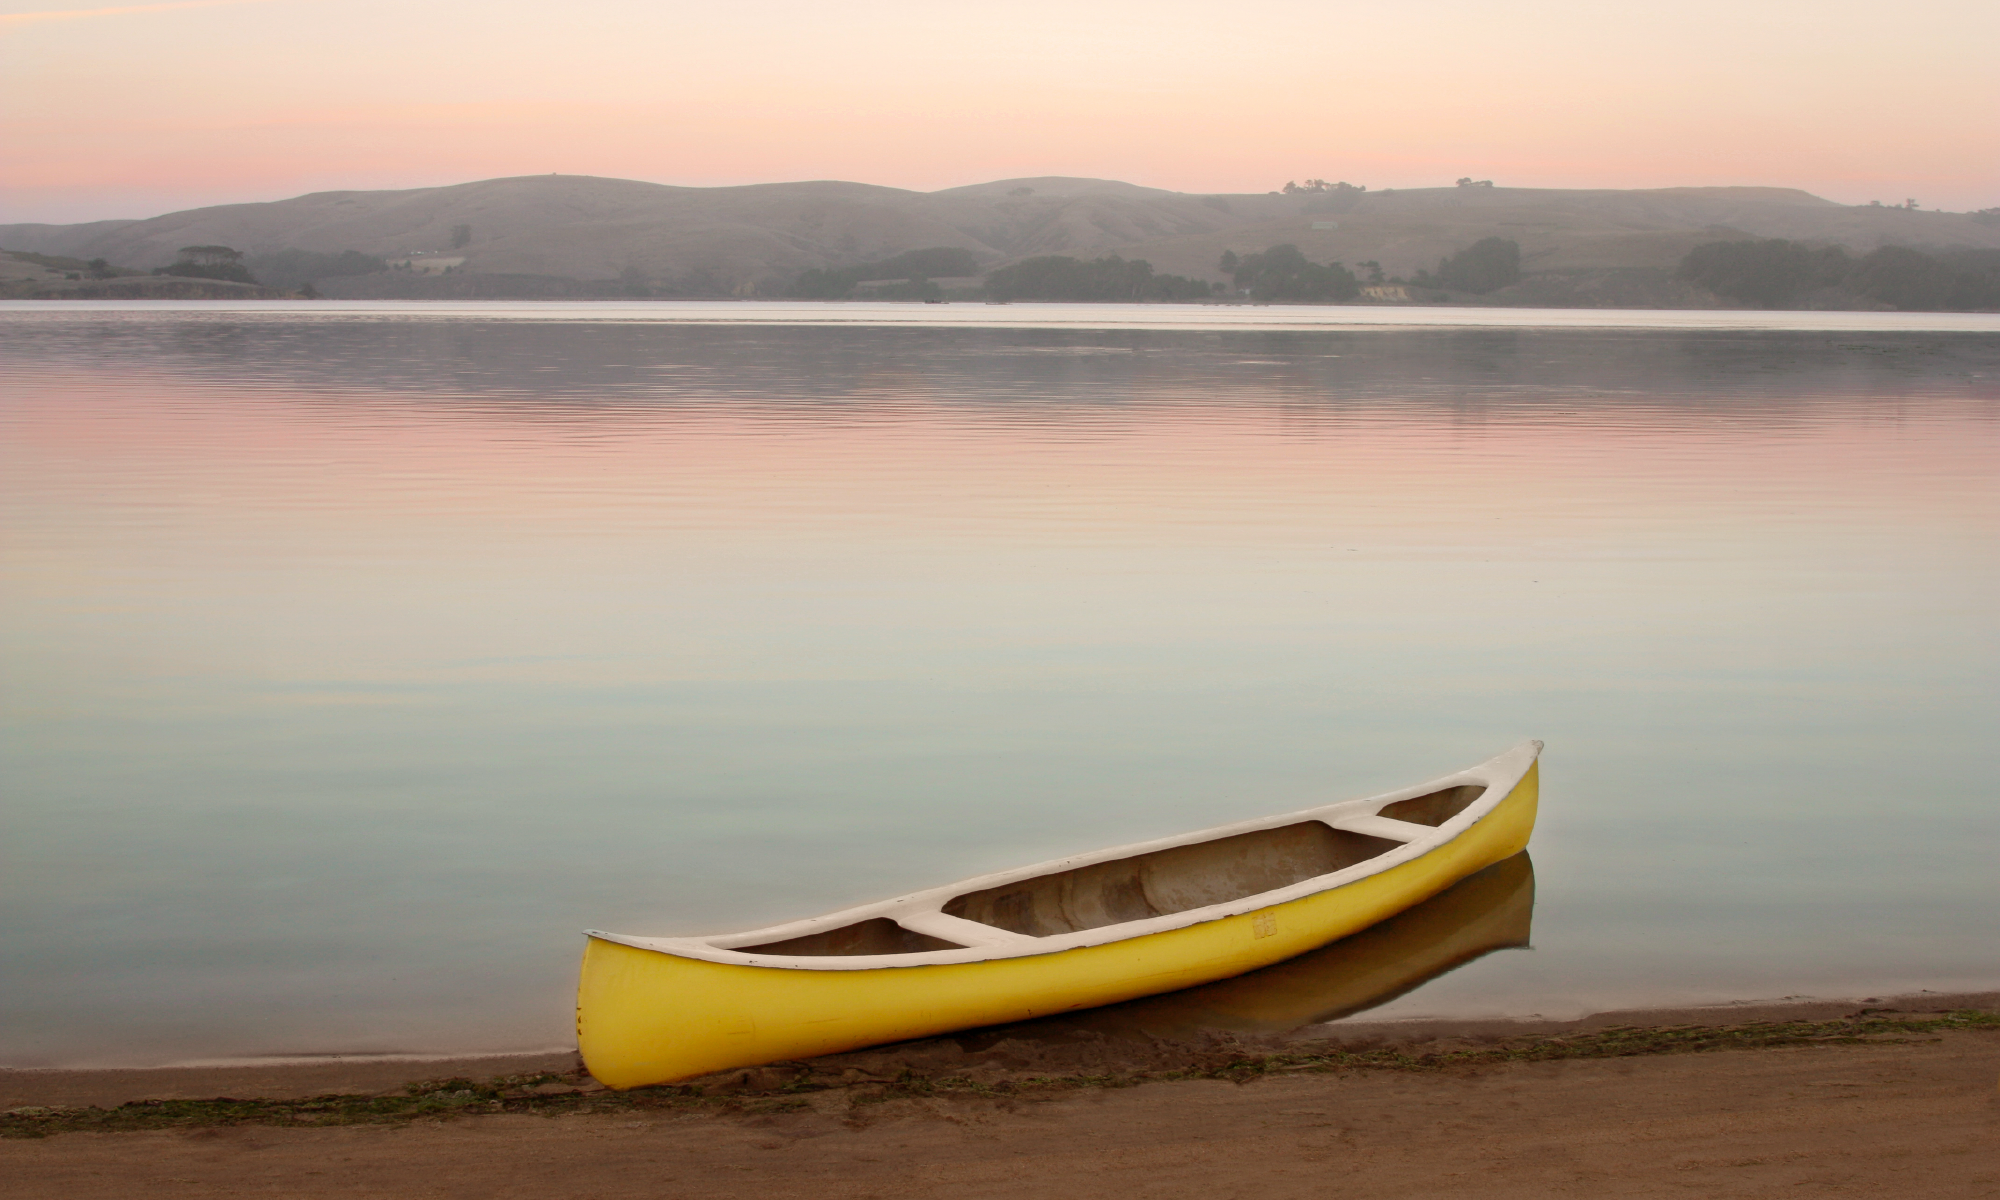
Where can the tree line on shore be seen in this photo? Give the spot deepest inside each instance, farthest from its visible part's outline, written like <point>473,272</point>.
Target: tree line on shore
<point>914,268</point>
<point>1059,277</point>
<point>1281,274</point>
<point>1776,273</point>
<point>1766,273</point>
<point>289,270</point>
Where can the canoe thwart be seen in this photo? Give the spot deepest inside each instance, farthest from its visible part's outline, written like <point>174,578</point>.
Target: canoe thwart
<point>1383,827</point>
<point>958,929</point>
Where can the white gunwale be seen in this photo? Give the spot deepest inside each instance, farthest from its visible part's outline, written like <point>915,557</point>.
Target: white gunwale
<point>922,912</point>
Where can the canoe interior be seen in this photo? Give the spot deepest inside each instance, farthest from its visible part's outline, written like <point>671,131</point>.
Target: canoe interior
<point>1168,881</point>
<point>878,935</point>
<point>1144,885</point>
<point>1436,808</point>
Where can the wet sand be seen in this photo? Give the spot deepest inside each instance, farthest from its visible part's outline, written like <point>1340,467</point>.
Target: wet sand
<point>1916,1118</point>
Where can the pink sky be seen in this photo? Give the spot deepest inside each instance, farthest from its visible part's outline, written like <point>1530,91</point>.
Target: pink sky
<point>134,109</point>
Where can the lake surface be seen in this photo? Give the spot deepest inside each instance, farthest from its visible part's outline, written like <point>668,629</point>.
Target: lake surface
<point>356,658</point>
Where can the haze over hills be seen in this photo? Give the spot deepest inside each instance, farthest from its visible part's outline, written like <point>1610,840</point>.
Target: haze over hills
<point>547,234</point>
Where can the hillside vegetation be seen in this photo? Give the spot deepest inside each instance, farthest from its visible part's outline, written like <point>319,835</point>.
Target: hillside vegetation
<point>570,236</point>
<point>916,266</point>
<point>1060,277</point>
<point>1781,274</point>
<point>26,275</point>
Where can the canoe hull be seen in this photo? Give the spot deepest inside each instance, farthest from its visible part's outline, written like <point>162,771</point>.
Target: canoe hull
<point>649,1016</point>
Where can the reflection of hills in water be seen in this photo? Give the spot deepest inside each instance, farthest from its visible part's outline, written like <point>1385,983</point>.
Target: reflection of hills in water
<point>1488,911</point>
<point>617,374</point>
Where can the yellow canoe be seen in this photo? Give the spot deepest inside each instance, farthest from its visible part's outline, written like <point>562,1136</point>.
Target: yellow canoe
<point>1079,932</point>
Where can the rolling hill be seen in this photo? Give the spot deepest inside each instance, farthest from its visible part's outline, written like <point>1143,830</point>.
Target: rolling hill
<point>575,235</point>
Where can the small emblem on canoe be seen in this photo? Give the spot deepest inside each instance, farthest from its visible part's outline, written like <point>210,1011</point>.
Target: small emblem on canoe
<point>1264,924</point>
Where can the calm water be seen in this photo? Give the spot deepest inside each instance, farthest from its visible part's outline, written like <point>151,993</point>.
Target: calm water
<point>355,659</point>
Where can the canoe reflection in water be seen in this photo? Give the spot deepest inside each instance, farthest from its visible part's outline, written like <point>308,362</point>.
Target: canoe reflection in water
<point>1486,911</point>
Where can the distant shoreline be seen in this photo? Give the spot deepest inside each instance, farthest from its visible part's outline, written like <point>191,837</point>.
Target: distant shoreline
<point>1101,316</point>
<point>577,237</point>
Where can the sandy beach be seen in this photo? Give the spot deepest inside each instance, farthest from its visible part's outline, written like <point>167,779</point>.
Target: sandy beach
<point>1915,1114</point>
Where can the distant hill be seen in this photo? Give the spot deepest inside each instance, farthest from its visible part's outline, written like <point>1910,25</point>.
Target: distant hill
<point>1047,186</point>
<point>580,235</point>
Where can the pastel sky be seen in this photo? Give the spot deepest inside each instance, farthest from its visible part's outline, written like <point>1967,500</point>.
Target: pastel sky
<point>134,109</point>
